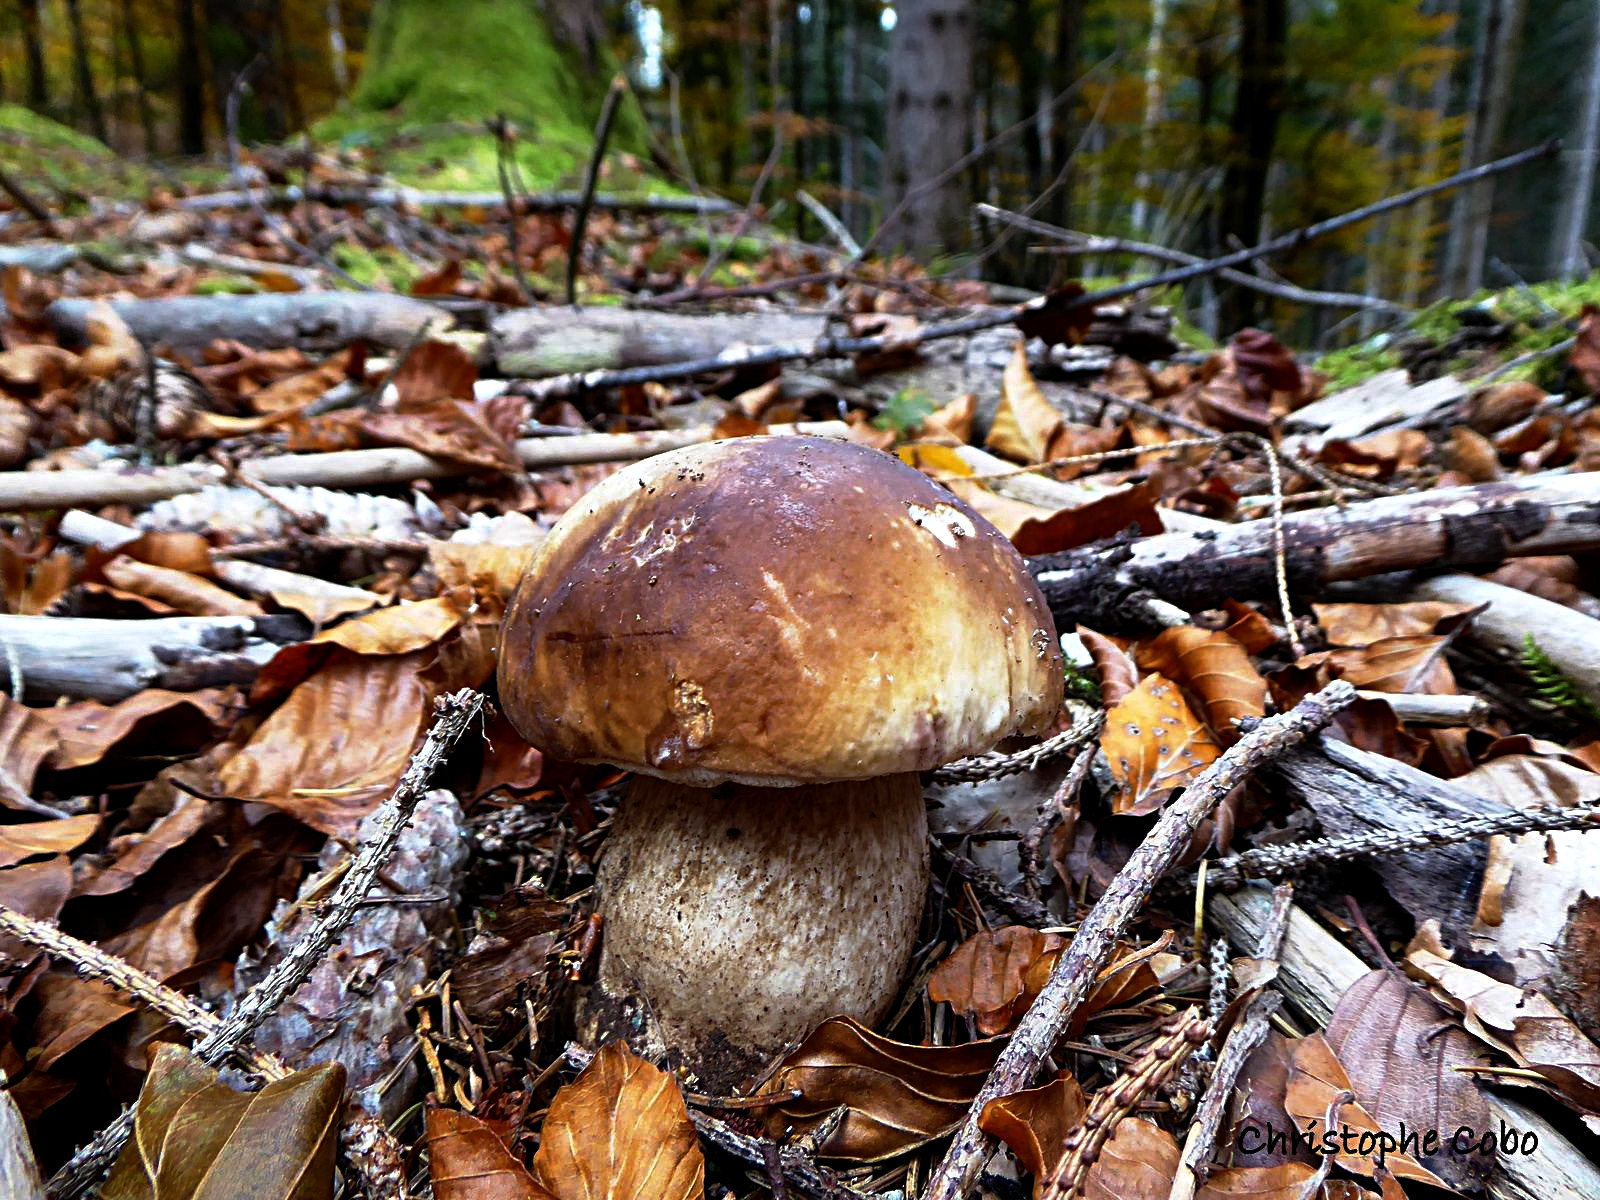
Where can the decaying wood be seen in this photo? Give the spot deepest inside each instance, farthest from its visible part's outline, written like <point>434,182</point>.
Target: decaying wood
<point>91,659</point>
<point>1567,637</point>
<point>1386,401</point>
<point>24,490</point>
<point>309,320</point>
<point>1315,969</point>
<point>1481,525</point>
<point>1419,709</point>
<point>404,197</point>
<point>1091,948</point>
<point>1354,791</point>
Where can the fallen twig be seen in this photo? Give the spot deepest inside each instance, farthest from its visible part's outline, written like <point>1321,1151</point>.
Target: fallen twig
<point>591,177</point>
<point>27,203</point>
<point>454,713</point>
<point>1091,949</point>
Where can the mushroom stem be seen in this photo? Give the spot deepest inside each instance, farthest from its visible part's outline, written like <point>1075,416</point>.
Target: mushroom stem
<point>743,916</point>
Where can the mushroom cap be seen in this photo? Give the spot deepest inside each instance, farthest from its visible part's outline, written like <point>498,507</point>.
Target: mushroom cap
<point>776,611</point>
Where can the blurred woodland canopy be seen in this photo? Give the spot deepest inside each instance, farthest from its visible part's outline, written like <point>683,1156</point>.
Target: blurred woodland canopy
<point>1195,124</point>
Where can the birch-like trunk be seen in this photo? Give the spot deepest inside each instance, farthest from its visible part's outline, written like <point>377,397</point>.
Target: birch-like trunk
<point>1153,106</point>
<point>1582,160</point>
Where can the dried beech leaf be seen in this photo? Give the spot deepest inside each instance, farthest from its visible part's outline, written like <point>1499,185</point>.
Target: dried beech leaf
<point>457,431</point>
<point>1286,1181</point>
<point>333,750</point>
<point>896,1096</point>
<point>154,721</point>
<point>1138,1163</point>
<point>195,1138</point>
<point>1034,1124</point>
<point>466,1161</point>
<point>1213,668</point>
<point>1036,530</point>
<point>36,838</point>
<point>1576,982</point>
<point>1585,357</point>
<point>1316,1078</point>
<point>1404,1056</point>
<point>435,370</point>
<point>1362,624</point>
<point>27,738</point>
<point>1398,664</point>
<point>1025,421</point>
<point>620,1131</point>
<point>983,977</point>
<point>1119,674</point>
<point>1154,745</point>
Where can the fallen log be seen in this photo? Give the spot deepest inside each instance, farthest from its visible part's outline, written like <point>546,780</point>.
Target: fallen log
<point>30,490</point>
<point>404,197</point>
<point>1481,525</point>
<point>87,658</point>
<point>309,320</point>
<point>537,343</point>
<point>1315,969</point>
<point>1569,638</point>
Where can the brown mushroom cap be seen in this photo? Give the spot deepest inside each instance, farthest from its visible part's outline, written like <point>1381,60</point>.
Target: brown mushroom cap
<point>777,611</point>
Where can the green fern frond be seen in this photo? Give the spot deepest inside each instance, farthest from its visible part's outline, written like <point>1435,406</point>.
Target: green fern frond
<point>1554,688</point>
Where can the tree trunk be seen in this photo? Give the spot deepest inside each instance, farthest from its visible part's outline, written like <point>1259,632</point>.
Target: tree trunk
<point>338,57</point>
<point>1494,63</point>
<point>33,49</point>
<point>1257,107</point>
<point>1025,49</point>
<point>1432,159</point>
<point>1069,35</point>
<point>84,97</point>
<point>1582,161</point>
<point>191,83</point>
<point>147,119</point>
<point>929,121</point>
<point>1152,116</point>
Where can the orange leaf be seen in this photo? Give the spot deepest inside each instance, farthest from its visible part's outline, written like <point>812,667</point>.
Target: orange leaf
<point>1213,668</point>
<point>1034,1124</point>
<point>1153,745</point>
<point>466,1161</point>
<point>983,977</point>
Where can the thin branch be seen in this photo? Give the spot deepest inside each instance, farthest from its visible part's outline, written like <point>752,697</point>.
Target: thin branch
<point>591,178</point>
<point>453,714</point>
<point>716,256</point>
<point>27,203</point>
<point>501,129</point>
<point>1091,949</point>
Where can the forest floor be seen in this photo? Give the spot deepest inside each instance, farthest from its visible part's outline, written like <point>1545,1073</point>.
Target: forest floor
<point>271,466</point>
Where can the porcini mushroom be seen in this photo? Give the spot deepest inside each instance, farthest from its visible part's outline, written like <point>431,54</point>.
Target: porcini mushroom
<point>776,634</point>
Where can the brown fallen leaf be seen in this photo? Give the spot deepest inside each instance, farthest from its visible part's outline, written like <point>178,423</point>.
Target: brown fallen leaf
<point>896,1096</point>
<point>983,977</point>
<point>1212,667</point>
<point>181,591</point>
<point>434,370</point>
<point>1138,1163</point>
<point>620,1131</point>
<point>195,1137</point>
<point>1154,745</point>
<point>37,838</point>
<point>1575,985</point>
<point>466,1161</point>
<point>88,732</point>
<point>1397,664</point>
<point>1585,358</point>
<point>1025,421</point>
<point>27,739</point>
<point>1119,674</point>
<point>1363,624</point>
<point>1316,1078</point>
<point>1034,1124</point>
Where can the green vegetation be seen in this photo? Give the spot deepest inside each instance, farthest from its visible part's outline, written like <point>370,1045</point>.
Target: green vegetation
<point>59,164</point>
<point>906,409</point>
<point>1554,688</point>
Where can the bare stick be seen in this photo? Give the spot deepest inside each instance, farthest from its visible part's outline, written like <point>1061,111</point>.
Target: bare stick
<point>501,128</point>
<point>830,221</point>
<point>91,962</point>
<point>27,203</point>
<point>591,177</point>
<point>715,257</point>
<point>1084,243</point>
<point>1074,974</point>
<point>405,197</point>
<point>454,713</point>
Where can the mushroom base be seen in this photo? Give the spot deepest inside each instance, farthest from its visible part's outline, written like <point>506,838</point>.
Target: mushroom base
<point>742,917</point>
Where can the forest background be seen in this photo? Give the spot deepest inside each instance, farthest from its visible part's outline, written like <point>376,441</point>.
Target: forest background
<point>1200,125</point>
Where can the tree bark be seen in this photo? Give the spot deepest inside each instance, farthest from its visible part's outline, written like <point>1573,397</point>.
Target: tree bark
<point>1477,526</point>
<point>1257,107</point>
<point>147,119</point>
<point>85,98</point>
<point>1582,161</point>
<point>191,82</point>
<point>929,123</point>
<point>338,57</point>
<point>1417,257</point>
<point>1153,104</point>
<point>33,50</point>
<point>1494,64</point>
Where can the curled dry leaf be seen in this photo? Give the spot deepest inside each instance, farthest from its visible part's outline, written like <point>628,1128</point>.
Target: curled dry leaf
<point>620,1131</point>
<point>1523,1024</point>
<point>1315,1079</point>
<point>896,1096</point>
<point>1212,667</point>
<point>196,1138</point>
<point>1154,745</point>
<point>1034,1124</point>
<point>1406,1058</point>
<point>1025,421</point>
<point>1138,1163</point>
<point>27,739</point>
<point>434,370</point>
<point>179,590</point>
<point>467,1161</point>
<point>1363,624</point>
<point>36,838</point>
<point>88,732</point>
<point>1119,674</point>
<point>1397,664</point>
<point>1585,357</point>
<point>983,977</point>
<point>16,427</point>
<point>455,430</point>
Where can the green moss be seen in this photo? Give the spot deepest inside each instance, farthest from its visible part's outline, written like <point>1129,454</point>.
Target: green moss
<point>438,69</point>
<point>371,267</point>
<point>60,165</point>
<point>1356,364</point>
<point>226,285</point>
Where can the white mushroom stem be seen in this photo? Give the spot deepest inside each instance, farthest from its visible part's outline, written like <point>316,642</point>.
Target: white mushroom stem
<point>743,916</point>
